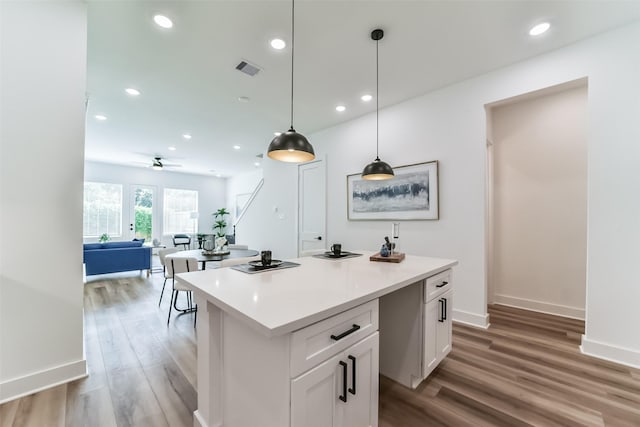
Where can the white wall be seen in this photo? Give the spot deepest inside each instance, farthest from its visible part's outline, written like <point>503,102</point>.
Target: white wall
<point>43,90</point>
<point>240,184</point>
<point>270,222</point>
<point>449,125</point>
<point>540,202</point>
<point>211,192</point>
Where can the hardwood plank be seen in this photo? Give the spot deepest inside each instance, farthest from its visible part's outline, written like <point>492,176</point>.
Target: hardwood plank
<point>8,412</point>
<point>176,396</point>
<point>134,402</point>
<point>43,409</point>
<point>90,408</point>
<point>494,394</point>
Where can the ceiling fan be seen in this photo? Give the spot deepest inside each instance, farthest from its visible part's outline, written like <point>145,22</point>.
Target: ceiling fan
<point>158,164</point>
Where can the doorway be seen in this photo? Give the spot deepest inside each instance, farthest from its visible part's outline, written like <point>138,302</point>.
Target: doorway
<point>141,217</point>
<point>537,200</point>
<point>312,200</point>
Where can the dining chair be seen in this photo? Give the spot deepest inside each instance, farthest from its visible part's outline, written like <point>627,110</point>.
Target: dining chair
<point>235,261</point>
<point>162,254</point>
<point>177,265</point>
<point>183,240</point>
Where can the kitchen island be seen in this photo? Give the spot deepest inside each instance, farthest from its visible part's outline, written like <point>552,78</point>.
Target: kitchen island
<point>304,346</point>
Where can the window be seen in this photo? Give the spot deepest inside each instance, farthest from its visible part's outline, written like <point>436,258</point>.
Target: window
<point>178,206</point>
<point>102,209</point>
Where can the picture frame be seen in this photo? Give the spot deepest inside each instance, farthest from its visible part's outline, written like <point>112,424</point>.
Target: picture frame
<point>412,194</point>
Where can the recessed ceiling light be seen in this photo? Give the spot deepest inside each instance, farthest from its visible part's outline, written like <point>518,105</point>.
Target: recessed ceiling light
<point>277,133</point>
<point>539,29</point>
<point>100,117</point>
<point>186,136</point>
<point>341,108</point>
<point>131,91</point>
<point>278,44</point>
<point>236,147</point>
<point>163,21</point>
<point>172,148</point>
<point>244,99</point>
<point>219,175</point>
<point>366,98</point>
<point>256,164</point>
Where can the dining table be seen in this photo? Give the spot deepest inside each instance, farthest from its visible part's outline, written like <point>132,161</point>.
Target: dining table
<point>204,258</point>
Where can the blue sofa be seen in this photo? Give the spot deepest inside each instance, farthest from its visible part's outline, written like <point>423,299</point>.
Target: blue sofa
<point>113,257</point>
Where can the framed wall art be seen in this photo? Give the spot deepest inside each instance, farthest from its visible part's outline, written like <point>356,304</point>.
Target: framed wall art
<point>412,194</point>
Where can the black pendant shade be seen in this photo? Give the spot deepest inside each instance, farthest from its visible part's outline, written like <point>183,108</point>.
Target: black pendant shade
<point>291,146</point>
<point>377,170</point>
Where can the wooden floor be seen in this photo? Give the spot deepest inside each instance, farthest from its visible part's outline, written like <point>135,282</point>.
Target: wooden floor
<point>526,369</point>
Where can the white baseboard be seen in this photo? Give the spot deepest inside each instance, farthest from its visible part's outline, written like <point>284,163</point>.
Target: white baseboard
<point>38,381</point>
<point>540,306</point>
<point>471,319</point>
<point>612,353</point>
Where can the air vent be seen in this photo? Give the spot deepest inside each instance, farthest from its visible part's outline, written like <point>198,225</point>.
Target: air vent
<point>247,68</point>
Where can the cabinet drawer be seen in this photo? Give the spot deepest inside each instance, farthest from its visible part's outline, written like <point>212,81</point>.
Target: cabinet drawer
<point>314,344</point>
<point>436,285</point>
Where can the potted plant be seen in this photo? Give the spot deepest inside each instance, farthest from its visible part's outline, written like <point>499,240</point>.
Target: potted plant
<point>220,225</point>
<point>104,238</point>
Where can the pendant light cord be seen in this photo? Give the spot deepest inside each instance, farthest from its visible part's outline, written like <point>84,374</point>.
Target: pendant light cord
<point>377,103</point>
<point>293,37</point>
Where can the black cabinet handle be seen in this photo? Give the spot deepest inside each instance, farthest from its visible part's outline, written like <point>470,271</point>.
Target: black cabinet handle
<point>352,390</point>
<point>343,397</point>
<point>345,333</point>
<point>441,304</point>
<point>444,309</point>
<point>442,284</point>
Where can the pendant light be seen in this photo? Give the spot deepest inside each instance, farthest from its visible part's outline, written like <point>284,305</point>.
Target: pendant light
<point>291,146</point>
<point>377,170</point>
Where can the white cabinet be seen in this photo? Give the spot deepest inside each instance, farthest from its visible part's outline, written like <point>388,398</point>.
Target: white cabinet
<point>444,325</point>
<point>321,340</point>
<point>342,391</point>
<point>415,329</point>
<point>437,331</point>
<point>279,349</point>
<point>430,356</point>
<point>313,396</point>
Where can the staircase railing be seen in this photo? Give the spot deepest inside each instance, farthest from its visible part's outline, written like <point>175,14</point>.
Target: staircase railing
<point>244,209</point>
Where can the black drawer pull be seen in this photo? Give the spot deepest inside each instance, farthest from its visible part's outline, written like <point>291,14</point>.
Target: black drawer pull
<point>442,284</point>
<point>441,315</point>
<point>345,333</point>
<point>343,396</point>
<point>352,390</point>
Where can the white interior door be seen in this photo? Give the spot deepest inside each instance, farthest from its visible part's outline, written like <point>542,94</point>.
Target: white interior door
<point>312,200</point>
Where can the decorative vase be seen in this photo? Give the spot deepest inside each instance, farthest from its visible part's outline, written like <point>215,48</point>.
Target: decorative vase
<point>384,251</point>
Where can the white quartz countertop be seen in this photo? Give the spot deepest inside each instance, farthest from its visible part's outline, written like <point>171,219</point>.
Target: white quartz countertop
<point>276,302</point>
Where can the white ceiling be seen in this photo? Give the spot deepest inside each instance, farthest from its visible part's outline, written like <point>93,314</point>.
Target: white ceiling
<point>189,84</point>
